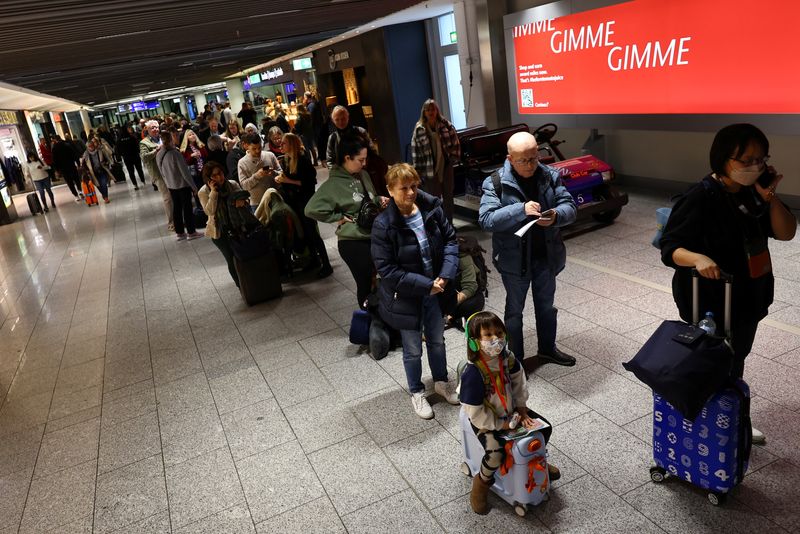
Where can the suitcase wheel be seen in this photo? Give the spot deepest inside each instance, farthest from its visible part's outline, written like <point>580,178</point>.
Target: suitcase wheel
<point>520,509</point>
<point>717,499</point>
<point>658,474</point>
<point>465,469</point>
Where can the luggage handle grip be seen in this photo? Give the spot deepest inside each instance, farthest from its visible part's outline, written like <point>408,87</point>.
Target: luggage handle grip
<point>725,277</point>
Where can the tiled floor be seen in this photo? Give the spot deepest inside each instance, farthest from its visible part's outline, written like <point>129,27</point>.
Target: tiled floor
<point>140,395</point>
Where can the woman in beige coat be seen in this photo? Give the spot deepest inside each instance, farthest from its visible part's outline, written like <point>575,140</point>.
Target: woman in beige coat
<point>214,199</point>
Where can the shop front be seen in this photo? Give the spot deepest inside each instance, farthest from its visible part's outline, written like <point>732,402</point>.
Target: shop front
<point>13,148</point>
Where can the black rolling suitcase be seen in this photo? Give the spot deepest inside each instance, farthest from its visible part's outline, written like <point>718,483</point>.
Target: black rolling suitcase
<point>259,278</point>
<point>33,203</point>
<point>200,217</point>
<point>118,172</point>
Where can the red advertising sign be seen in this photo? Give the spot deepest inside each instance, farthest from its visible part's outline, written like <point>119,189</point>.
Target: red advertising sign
<point>654,57</point>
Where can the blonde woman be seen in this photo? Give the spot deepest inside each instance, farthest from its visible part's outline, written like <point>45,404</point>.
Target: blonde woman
<point>297,185</point>
<point>195,154</point>
<point>434,150</point>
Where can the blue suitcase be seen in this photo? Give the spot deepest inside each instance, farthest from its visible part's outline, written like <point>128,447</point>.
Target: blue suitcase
<point>713,450</point>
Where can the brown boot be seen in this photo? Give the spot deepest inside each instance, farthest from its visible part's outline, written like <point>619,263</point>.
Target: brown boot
<point>480,490</point>
<point>554,473</point>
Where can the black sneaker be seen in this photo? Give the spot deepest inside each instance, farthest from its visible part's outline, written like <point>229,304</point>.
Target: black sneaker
<point>325,272</point>
<point>557,357</point>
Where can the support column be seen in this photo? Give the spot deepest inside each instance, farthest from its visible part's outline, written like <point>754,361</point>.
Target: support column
<point>87,124</point>
<point>184,109</point>
<point>235,93</point>
<point>469,55</point>
<point>200,102</point>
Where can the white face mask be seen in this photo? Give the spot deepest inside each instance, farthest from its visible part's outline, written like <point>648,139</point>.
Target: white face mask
<point>493,347</point>
<point>747,175</point>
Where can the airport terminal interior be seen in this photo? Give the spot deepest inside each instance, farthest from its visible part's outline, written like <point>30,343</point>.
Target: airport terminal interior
<point>141,393</point>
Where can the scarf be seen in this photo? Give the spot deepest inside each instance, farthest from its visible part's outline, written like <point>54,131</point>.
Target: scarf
<point>222,217</point>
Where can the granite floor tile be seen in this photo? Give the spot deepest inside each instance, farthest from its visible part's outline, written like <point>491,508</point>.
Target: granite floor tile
<point>237,384</point>
<point>278,480</point>
<point>329,347</point>
<point>59,498</point>
<point>619,460</point>
<point>185,395</point>
<point>14,488</point>
<point>124,408</point>
<point>613,287</point>
<point>771,491</point>
<point>613,316</point>
<point>608,393</point>
<point>235,520</point>
<point>297,383</point>
<point>271,358</point>
<point>604,347</point>
<point>260,427</point>
<point>129,442</point>
<point>202,486</point>
<point>779,425</point>
<point>190,434</point>
<point>430,463</point>
<point>123,372</point>
<point>388,416</point>
<point>457,517</point>
<point>172,365</point>
<point>68,447</point>
<point>356,473</point>
<point>65,404</point>
<point>588,503</point>
<point>315,517</point>
<point>84,350</point>
<point>18,451</point>
<point>33,382</point>
<point>127,495</point>
<point>155,524</point>
<point>357,377</point>
<point>322,421</point>
<point>551,402</point>
<point>402,512</point>
<point>773,380</point>
<point>81,376</point>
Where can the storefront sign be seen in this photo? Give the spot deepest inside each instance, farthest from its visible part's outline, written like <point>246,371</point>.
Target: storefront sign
<point>271,74</point>
<point>142,106</point>
<point>254,78</point>
<point>57,117</point>
<point>8,117</point>
<point>334,58</point>
<point>38,116</point>
<point>653,57</point>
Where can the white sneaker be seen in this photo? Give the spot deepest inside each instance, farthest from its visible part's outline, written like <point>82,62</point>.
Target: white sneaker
<point>421,406</point>
<point>758,437</point>
<point>446,391</point>
<point>181,237</point>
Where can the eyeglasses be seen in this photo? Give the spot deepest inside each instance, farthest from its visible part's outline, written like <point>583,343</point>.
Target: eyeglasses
<point>753,161</point>
<point>527,161</point>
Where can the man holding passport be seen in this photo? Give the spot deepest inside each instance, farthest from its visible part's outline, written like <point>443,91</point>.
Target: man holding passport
<point>528,255</point>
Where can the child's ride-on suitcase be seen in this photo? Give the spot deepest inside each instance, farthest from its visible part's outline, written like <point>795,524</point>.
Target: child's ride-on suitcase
<point>523,479</point>
<point>89,193</point>
<point>712,450</point>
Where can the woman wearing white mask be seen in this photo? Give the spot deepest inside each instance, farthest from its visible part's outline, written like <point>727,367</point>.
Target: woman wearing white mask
<point>721,225</point>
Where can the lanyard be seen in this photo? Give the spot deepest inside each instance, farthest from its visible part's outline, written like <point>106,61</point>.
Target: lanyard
<point>498,382</point>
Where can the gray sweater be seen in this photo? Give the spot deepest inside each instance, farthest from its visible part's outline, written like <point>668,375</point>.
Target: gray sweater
<point>174,169</point>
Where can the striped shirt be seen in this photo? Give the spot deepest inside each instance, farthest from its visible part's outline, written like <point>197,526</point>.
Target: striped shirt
<point>417,225</point>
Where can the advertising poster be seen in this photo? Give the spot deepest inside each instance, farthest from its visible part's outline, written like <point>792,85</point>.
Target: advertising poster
<point>657,57</point>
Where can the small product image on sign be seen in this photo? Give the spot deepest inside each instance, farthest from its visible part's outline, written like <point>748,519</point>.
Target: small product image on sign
<point>526,98</point>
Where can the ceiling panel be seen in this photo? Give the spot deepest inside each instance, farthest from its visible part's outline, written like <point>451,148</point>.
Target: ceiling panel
<point>100,50</point>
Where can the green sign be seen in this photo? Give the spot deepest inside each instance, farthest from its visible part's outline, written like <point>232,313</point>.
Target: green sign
<point>453,38</point>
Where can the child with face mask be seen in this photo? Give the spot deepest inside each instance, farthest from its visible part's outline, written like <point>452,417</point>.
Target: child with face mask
<point>493,393</point>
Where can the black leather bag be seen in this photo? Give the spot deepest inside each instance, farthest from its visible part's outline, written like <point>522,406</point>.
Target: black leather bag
<point>682,363</point>
<point>367,212</point>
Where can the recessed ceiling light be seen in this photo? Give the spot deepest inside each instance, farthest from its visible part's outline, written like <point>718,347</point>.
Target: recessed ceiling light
<point>275,13</point>
<point>128,34</point>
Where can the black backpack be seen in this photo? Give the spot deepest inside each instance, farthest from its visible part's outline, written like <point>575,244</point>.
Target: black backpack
<point>468,244</point>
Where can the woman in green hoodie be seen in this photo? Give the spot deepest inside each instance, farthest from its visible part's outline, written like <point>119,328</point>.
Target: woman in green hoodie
<point>338,201</point>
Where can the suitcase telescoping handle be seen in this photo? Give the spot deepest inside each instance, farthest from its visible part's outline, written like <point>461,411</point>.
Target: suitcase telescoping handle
<point>725,277</point>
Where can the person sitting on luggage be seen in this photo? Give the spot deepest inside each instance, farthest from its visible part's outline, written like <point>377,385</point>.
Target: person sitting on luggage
<point>257,170</point>
<point>214,199</point>
<point>493,389</point>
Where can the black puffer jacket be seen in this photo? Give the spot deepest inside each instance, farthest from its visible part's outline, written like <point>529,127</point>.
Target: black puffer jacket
<point>397,258</point>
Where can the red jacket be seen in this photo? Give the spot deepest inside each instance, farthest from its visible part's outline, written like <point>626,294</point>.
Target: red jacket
<point>47,154</point>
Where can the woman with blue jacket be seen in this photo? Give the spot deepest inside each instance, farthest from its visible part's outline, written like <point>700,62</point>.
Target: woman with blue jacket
<point>416,255</point>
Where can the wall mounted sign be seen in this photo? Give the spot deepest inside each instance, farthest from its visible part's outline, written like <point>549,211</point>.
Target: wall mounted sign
<point>304,63</point>
<point>655,57</point>
<point>271,74</point>
<point>8,117</point>
<point>334,58</point>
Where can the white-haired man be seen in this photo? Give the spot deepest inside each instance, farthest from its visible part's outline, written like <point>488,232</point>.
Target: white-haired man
<point>148,148</point>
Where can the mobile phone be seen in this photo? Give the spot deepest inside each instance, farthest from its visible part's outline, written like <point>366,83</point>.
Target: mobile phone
<point>766,178</point>
<point>547,215</point>
<point>267,168</point>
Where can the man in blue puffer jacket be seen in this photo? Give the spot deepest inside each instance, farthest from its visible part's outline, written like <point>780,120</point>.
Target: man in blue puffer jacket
<point>528,190</point>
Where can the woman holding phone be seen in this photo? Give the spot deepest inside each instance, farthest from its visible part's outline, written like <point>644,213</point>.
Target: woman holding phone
<point>722,224</point>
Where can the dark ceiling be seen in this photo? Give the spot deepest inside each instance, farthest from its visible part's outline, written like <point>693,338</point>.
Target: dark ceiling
<point>95,51</point>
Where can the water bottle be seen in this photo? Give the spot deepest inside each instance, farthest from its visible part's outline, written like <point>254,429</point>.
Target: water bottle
<point>708,324</point>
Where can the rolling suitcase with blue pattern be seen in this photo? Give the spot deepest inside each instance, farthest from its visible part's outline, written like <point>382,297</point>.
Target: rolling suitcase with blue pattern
<point>712,450</point>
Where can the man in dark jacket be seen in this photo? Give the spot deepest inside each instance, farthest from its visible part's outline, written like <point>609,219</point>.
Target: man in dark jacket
<point>64,161</point>
<point>416,254</point>
<point>529,191</point>
<point>341,120</point>
<point>128,148</point>
<point>248,115</point>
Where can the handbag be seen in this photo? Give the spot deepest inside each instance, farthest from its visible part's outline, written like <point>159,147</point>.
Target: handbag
<point>368,211</point>
<point>684,364</point>
<point>359,327</point>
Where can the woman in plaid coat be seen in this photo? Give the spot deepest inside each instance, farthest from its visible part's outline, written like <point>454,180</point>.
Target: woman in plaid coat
<point>434,150</point>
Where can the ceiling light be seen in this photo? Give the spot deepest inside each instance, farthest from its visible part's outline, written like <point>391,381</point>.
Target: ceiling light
<point>121,35</point>
<point>272,14</point>
<point>223,63</point>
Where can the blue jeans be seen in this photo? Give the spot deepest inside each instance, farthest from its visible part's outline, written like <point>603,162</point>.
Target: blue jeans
<point>433,326</point>
<point>42,186</point>
<point>102,181</point>
<point>542,282</point>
